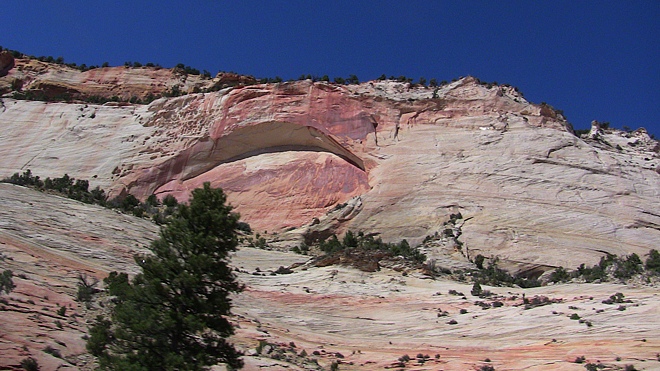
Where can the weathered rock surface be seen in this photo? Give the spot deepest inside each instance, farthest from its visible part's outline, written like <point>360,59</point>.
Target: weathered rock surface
<point>53,81</point>
<point>48,242</point>
<point>292,154</point>
<point>364,321</point>
<point>6,62</point>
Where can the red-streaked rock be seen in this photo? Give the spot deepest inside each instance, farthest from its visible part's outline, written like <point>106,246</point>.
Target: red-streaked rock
<point>105,82</point>
<point>401,158</point>
<point>285,188</point>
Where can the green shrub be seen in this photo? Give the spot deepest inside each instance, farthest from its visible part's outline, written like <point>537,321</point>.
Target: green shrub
<point>331,245</point>
<point>86,288</point>
<point>495,276</point>
<point>629,267</point>
<point>117,284</point>
<point>479,261</point>
<point>620,267</point>
<point>363,242</point>
<point>30,364</point>
<point>170,201</point>
<point>559,275</point>
<point>99,336</point>
<point>476,289</point>
<point>66,186</point>
<point>6,282</point>
<point>244,227</point>
<point>84,294</point>
<point>352,79</point>
<point>653,262</point>
<point>350,240</point>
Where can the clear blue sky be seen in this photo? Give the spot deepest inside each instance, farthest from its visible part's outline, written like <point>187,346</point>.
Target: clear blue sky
<point>592,59</point>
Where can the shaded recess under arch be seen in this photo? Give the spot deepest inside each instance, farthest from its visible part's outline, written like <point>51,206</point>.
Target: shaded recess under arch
<point>241,143</point>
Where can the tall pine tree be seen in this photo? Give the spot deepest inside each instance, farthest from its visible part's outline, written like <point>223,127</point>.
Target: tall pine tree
<point>172,316</point>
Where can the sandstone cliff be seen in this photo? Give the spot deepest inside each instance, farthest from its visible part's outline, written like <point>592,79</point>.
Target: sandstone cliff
<point>313,158</point>
<point>363,320</point>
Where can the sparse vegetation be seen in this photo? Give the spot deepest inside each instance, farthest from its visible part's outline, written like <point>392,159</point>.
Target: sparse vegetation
<point>6,282</point>
<point>495,276</point>
<point>303,249</point>
<point>539,301</point>
<point>476,289</point>
<point>612,266</point>
<point>86,288</point>
<point>258,242</point>
<point>617,298</point>
<point>30,364</point>
<point>653,262</point>
<point>367,242</point>
<point>560,275</point>
<point>65,186</point>
<point>479,261</point>
<point>79,190</point>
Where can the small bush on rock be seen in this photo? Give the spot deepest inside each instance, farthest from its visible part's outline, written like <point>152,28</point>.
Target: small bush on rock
<point>30,364</point>
<point>6,281</point>
<point>476,289</point>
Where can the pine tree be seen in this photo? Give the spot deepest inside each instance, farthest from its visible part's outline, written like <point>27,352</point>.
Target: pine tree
<point>172,316</point>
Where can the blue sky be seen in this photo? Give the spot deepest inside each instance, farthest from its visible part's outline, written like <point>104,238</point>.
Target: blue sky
<point>591,59</point>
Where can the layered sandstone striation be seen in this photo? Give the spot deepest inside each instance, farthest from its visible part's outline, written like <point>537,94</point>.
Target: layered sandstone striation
<point>57,81</point>
<point>49,242</point>
<point>362,320</point>
<point>314,158</point>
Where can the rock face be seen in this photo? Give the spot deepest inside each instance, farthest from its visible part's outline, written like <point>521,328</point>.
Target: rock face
<point>365,320</point>
<point>48,242</point>
<point>52,81</point>
<point>6,62</point>
<point>385,157</point>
